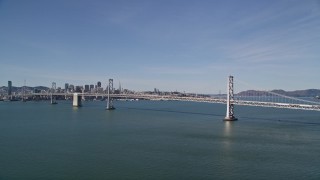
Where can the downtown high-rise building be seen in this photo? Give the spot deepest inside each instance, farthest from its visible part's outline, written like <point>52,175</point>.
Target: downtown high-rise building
<point>9,88</point>
<point>99,84</point>
<point>71,88</point>
<point>86,88</point>
<point>91,87</point>
<point>66,87</point>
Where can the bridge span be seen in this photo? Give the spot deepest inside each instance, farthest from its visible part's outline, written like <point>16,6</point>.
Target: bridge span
<point>229,99</point>
<point>193,99</point>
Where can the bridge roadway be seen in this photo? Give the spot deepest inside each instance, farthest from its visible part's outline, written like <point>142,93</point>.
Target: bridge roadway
<point>193,99</point>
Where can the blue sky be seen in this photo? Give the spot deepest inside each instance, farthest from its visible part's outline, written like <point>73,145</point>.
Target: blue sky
<point>184,45</point>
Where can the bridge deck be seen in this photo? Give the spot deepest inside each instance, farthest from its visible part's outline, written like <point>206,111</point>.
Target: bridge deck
<point>193,99</point>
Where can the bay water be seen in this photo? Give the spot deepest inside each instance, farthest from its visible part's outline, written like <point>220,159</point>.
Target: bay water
<point>156,140</point>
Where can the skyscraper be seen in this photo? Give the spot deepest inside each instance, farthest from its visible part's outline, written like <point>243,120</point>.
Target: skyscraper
<point>86,88</point>
<point>71,88</point>
<point>91,87</point>
<point>9,88</point>
<point>99,84</point>
<point>66,86</point>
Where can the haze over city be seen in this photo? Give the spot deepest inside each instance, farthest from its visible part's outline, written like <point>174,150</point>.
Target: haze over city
<point>187,45</point>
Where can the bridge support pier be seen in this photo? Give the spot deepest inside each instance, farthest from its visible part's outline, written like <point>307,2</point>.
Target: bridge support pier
<point>110,100</point>
<point>76,100</point>
<point>230,106</point>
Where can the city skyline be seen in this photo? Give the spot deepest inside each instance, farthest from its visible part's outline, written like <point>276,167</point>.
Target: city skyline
<point>187,46</point>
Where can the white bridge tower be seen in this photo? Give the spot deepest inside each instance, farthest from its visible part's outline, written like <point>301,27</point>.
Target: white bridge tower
<point>230,101</point>
<point>110,100</point>
<point>53,90</point>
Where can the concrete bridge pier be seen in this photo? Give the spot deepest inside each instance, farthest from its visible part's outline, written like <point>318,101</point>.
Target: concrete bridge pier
<point>53,100</point>
<point>76,100</point>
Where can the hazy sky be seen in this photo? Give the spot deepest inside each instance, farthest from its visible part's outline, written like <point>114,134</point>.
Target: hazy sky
<point>184,45</point>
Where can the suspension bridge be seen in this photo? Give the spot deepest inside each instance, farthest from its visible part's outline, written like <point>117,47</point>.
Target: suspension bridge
<point>260,98</point>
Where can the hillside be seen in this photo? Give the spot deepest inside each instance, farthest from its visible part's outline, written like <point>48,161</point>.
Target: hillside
<point>297,93</point>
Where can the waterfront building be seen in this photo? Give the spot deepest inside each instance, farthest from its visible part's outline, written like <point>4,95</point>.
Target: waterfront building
<point>59,90</point>
<point>36,90</point>
<point>79,89</point>
<point>100,90</point>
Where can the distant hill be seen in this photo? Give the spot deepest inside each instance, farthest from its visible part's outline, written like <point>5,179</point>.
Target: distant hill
<point>297,93</point>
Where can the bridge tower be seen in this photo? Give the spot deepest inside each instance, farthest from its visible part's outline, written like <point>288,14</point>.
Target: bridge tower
<point>110,100</point>
<point>230,100</point>
<point>53,90</point>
